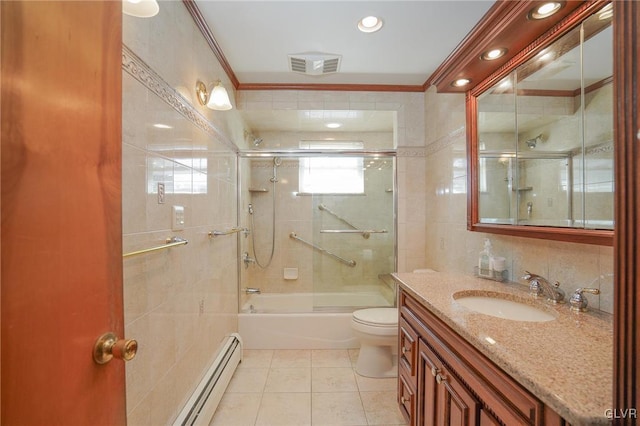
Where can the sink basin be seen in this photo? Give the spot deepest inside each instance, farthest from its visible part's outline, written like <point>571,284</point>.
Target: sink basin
<point>501,305</point>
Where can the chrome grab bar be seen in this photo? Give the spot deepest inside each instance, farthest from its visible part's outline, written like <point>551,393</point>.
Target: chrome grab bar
<point>336,215</point>
<point>170,242</point>
<point>365,233</point>
<point>356,230</point>
<point>353,231</point>
<point>351,263</point>
<point>228,232</point>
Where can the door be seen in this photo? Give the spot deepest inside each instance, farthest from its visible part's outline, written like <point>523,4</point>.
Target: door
<point>61,235</point>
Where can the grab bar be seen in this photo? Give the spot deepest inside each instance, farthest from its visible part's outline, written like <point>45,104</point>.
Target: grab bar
<point>170,242</point>
<point>365,233</point>
<point>336,215</point>
<point>229,232</point>
<point>351,263</point>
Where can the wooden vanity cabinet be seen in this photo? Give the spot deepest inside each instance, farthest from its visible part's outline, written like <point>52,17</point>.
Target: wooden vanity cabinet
<point>444,380</point>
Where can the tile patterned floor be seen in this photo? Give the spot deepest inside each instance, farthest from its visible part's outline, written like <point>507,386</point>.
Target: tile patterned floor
<point>306,387</point>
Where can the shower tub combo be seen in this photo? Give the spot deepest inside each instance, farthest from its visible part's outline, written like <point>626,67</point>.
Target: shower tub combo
<point>344,256</point>
<point>304,320</point>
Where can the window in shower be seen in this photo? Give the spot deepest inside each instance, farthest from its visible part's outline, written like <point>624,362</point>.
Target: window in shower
<point>331,175</point>
<point>179,175</point>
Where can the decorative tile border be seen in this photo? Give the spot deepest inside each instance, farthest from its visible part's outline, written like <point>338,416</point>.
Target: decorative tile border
<point>445,141</point>
<point>139,70</point>
<point>603,148</point>
<point>413,151</point>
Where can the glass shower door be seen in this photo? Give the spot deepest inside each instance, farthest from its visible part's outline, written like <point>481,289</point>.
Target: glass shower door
<point>354,222</point>
<point>321,231</point>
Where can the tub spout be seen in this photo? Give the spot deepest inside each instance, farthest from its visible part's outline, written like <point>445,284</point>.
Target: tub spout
<point>252,290</point>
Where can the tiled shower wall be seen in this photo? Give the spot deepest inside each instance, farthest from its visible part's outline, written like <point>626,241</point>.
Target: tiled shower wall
<point>410,128</point>
<point>301,214</point>
<point>450,247</point>
<point>181,302</point>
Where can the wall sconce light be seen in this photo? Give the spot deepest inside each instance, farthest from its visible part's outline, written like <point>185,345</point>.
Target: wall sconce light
<point>140,8</point>
<point>217,99</point>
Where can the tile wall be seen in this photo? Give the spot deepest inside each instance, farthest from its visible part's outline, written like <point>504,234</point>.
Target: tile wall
<point>301,214</point>
<point>180,303</point>
<point>409,142</point>
<point>450,247</point>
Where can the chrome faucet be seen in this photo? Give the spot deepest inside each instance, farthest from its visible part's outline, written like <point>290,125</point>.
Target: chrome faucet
<point>252,290</point>
<point>539,286</point>
<point>578,301</point>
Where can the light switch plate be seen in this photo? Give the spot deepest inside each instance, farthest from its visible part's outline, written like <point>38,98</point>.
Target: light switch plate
<point>177,218</point>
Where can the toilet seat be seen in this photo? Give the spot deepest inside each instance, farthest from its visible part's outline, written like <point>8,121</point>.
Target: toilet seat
<point>377,317</point>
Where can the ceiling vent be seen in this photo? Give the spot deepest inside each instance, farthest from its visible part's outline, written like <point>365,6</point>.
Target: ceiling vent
<point>314,63</point>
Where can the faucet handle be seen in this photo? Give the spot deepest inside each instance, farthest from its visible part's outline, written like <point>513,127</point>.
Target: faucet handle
<point>578,301</point>
<point>535,288</point>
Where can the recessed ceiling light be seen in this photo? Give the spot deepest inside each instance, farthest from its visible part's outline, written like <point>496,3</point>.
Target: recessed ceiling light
<point>545,10</point>
<point>333,125</point>
<point>140,8</point>
<point>370,24</point>
<point>460,82</point>
<point>492,54</point>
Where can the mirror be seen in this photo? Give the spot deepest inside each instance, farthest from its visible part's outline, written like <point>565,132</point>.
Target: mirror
<point>541,141</point>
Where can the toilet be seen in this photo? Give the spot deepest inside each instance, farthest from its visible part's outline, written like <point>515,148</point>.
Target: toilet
<point>377,331</point>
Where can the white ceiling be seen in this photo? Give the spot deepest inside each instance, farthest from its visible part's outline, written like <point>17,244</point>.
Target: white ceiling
<point>256,37</point>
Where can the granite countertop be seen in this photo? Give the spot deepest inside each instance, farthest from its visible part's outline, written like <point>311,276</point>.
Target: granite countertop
<point>567,362</point>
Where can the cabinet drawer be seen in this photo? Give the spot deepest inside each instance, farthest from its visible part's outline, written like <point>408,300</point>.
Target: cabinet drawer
<point>408,341</point>
<point>407,400</point>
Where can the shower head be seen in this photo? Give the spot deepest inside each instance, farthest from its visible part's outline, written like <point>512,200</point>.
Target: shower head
<point>257,141</point>
<point>531,143</point>
<point>277,161</point>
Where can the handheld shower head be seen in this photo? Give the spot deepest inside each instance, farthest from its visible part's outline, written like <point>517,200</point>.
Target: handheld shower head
<point>277,161</point>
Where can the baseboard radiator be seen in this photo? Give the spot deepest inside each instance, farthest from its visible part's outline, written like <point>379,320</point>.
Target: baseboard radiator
<point>202,405</point>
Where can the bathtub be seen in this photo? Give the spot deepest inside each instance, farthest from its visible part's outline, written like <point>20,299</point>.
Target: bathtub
<point>303,320</point>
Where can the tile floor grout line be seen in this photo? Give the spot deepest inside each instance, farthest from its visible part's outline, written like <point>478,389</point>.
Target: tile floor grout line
<point>363,387</point>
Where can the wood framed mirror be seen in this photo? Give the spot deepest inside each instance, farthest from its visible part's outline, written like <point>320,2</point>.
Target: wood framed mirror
<point>540,145</point>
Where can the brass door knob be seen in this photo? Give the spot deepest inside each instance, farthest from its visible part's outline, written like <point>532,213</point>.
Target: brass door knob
<point>108,346</point>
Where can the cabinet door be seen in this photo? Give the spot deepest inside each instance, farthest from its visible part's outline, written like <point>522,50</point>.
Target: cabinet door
<point>442,399</point>
<point>429,366</point>
<point>486,419</point>
<point>455,405</point>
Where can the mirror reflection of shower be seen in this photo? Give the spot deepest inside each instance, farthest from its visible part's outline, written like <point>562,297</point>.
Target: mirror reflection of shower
<point>277,161</point>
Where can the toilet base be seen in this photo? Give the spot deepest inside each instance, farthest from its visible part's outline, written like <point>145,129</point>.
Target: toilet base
<point>377,362</point>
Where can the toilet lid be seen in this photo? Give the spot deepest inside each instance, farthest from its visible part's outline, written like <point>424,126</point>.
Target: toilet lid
<point>377,316</point>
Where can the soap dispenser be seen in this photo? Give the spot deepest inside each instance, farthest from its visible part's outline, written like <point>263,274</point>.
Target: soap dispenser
<point>484,261</point>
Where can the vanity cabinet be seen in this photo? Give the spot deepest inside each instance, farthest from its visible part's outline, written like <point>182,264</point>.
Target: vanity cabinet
<point>444,380</point>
